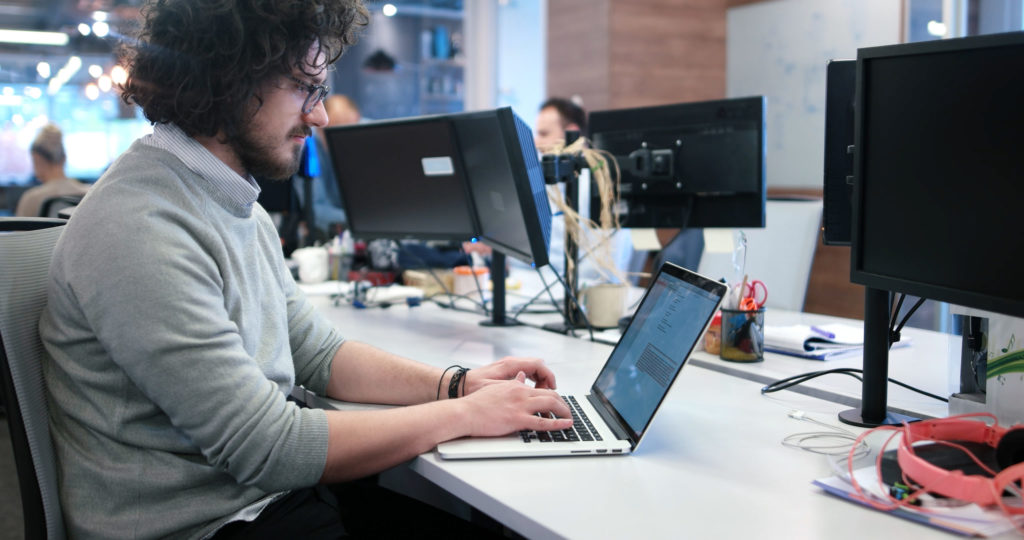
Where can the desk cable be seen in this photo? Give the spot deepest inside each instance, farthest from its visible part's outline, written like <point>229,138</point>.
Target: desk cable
<point>836,442</point>
<point>783,384</point>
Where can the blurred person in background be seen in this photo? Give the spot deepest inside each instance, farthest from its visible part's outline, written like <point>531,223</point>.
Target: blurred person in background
<point>48,160</point>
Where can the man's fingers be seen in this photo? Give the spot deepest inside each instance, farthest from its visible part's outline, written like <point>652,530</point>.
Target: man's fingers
<point>550,424</point>
<point>546,404</point>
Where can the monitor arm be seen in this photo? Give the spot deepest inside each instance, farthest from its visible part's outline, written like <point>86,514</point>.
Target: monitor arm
<point>564,168</point>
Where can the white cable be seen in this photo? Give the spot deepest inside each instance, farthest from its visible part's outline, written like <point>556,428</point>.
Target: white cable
<point>837,442</point>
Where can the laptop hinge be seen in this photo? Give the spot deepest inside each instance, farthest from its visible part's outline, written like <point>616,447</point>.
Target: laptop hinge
<point>609,419</point>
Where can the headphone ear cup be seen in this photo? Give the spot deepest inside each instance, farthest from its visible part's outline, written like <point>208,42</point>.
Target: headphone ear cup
<point>1010,449</point>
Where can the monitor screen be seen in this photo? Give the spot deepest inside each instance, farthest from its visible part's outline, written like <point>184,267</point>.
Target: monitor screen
<point>506,182</point>
<point>687,165</point>
<point>840,87</point>
<point>938,170</point>
<point>402,179</point>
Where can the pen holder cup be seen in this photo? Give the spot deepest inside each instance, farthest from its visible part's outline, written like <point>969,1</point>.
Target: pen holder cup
<point>742,335</point>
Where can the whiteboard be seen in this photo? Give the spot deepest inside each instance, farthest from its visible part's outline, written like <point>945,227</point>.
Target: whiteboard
<point>779,49</point>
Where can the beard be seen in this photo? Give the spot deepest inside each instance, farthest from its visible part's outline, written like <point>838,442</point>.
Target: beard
<point>258,152</point>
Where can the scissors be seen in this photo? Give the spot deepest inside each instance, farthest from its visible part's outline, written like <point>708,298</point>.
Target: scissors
<point>757,292</point>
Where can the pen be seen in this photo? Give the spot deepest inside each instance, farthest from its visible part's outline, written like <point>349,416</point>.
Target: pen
<point>823,332</point>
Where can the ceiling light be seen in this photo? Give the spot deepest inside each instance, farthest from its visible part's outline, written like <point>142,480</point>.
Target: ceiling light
<point>31,37</point>
<point>33,92</point>
<point>104,83</point>
<point>99,16</point>
<point>389,10</point>
<point>100,28</point>
<point>95,70</point>
<point>84,29</point>
<point>43,69</point>
<point>92,91</point>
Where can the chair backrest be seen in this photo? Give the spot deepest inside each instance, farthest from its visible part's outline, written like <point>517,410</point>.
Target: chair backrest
<point>26,248</point>
<point>51,207</point>
<point>780,254</point>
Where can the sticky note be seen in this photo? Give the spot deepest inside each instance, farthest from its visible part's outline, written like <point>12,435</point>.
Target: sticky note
<point>644,239</point>
<point>718,240</point>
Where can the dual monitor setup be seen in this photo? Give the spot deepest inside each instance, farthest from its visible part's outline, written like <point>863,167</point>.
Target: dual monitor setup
<point>923,176</point>
<point>477,175</point>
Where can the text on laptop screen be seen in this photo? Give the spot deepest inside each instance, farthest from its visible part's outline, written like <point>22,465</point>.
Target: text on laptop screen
<point>653,349</point>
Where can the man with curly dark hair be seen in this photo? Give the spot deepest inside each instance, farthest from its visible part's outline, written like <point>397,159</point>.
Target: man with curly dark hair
<point>174,331</point>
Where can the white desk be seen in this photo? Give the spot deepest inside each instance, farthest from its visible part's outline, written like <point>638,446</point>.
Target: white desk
<point>711,465</point>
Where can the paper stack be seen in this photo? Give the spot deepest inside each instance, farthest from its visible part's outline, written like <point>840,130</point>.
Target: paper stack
<point>814,342</point>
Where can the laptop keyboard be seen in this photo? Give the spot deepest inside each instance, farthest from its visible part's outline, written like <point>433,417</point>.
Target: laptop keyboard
<point>582,428</point>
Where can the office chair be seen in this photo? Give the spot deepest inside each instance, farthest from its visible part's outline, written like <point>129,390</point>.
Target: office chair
<point>780,254</point>
<point>52,207</point>
<point>26,247</point>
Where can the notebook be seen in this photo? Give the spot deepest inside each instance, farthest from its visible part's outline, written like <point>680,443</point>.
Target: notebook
<point>673,314</point>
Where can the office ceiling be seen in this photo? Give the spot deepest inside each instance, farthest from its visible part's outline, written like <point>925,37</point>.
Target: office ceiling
<point>65,16</point>
<point>18,61</point>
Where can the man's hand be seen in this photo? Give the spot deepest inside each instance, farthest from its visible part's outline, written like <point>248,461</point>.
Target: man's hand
<point>503,407</point>
<point>507,369</point>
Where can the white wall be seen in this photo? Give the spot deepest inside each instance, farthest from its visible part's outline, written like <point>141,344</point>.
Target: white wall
<point>779,49</point>
<point>522,56</point>
<point>506,55</point>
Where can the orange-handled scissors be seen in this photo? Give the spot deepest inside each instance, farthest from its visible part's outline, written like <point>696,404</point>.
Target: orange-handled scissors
<point>748,304</point>
<point>757,291</point>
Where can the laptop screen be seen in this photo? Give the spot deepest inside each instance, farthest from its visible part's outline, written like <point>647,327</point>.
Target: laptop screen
<point>668,323</point>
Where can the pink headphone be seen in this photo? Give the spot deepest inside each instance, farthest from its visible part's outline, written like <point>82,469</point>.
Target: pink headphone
<point>1009,445</point>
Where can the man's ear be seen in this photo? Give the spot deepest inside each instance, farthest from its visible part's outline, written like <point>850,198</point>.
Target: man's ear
<point>571,126</point>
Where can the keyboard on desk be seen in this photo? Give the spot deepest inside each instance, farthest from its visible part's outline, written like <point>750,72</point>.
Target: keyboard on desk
<point>582,428</point>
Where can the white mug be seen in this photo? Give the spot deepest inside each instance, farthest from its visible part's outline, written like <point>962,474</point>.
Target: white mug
<point>312,264</point>
<point>604,304</point>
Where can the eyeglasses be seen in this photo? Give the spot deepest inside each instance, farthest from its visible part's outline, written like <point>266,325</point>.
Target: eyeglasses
<point>315,94</point>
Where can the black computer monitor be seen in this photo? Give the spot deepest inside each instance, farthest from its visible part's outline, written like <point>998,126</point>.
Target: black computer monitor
<point>686,165</point>
<point>937,172</point>
<point>840,87</point>
<point>505,179</point>
<point>402,179</point>
<point>506,182</point>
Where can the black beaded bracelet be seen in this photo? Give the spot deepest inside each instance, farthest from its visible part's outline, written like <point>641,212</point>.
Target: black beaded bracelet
<point>453,386</point>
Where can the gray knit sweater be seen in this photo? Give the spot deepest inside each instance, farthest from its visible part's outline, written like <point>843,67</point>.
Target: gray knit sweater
<point>173,333</point>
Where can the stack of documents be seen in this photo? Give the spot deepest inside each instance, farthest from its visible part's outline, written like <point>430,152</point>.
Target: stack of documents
<point>966,519</point>
<point>814,342</point>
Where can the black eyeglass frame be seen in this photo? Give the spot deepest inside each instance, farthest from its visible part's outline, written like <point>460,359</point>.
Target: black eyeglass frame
<point>318,90</point>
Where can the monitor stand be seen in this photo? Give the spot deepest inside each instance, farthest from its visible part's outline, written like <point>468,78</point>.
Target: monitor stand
<point>498,317</point>
<point>875,383</point>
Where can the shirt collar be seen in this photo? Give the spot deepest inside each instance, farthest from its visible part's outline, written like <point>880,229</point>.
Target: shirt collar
<point>169,137</point>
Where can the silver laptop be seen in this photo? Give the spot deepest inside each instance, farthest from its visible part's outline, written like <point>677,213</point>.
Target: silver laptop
<point>612,419</point>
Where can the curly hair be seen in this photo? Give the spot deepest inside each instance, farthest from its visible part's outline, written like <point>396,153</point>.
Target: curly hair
<point>199,63</point>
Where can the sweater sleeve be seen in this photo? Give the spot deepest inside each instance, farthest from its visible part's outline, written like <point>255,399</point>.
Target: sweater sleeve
<point>313,339</point>
<point>159,309</point>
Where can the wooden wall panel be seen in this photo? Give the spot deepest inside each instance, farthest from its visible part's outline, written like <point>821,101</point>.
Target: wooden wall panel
<point>578,51</point>
<point>627,53</point>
